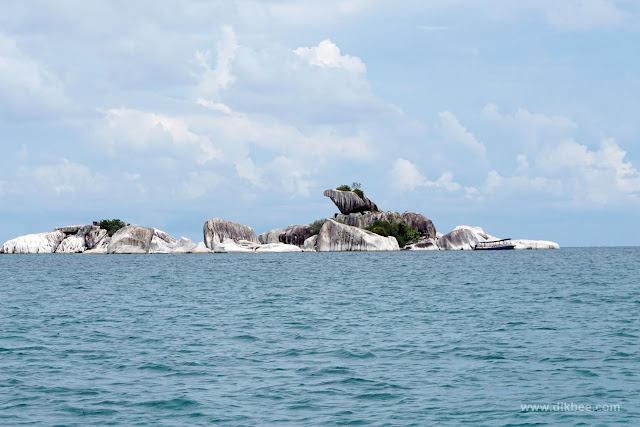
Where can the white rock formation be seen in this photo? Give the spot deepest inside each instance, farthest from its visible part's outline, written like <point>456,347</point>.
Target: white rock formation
<point>337,237</point>
<point>74,244</point>
<point>132,239</point>
<point>183,246</point>
<point>231,246</point>
<point>535,244</point>
<point>42,243</point>
<point>200,248</point>
<point>217,230</point>
<point>424,245</point>
<point>161,243</point>
<point>277,248</point>
<point>310,244</point>
<point>463,238</point>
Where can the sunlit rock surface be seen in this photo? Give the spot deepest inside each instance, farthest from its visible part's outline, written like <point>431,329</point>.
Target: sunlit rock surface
<point>426,244</point>
<point>459,239</point>
<point>310,244</point>
<point>132,239</point>
<point>75,244</point>
<point>349,202</point>
<point>161,243</point>
<point>337,237</point>
<point>277,248</point>
<point>217,230</point>
<point>41,243</point>
<point>535,244</point>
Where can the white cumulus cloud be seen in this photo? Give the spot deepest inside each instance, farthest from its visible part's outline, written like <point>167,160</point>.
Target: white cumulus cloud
<point>327,54</point>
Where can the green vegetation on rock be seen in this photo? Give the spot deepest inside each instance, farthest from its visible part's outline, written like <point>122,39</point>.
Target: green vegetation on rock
<point>398,229</point>
<point>344,188</point>
<point>316,226</point>
<point>111,225</point>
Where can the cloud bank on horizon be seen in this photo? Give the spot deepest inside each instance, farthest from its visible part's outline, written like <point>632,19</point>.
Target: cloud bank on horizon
<point>520,117</point>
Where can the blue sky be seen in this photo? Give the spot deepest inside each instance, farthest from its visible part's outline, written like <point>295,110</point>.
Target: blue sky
<point>520,117</point>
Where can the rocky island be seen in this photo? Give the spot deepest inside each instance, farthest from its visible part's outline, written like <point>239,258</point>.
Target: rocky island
<point>360,226</point>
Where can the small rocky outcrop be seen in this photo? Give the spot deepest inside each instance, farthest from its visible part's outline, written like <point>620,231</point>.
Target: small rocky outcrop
<point>218,230</point>
<point>421,223</point>
<point>271,236</point>
<point>310,244</point>
<point>349,202</point>
<point>426,244</point>
<point>41,243</point>
<point>337,237</point>
<point>534,244</point>
<point>365,219</point>
<point>295,235</point>
<point>132,239</point>
<point>246,246</point>
<point>277,248</point>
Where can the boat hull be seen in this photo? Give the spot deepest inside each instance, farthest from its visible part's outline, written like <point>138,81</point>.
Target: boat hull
<point>497,248</point>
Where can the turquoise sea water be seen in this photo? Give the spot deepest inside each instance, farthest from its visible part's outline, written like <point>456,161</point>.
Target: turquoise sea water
<point>320,338</point>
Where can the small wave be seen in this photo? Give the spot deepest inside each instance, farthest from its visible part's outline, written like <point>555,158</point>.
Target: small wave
<point>350,355</point>
<point>178,403</point>
<point>377,396</point>
<point>246,338</point>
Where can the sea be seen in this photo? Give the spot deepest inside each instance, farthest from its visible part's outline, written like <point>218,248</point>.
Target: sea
<point>400,338</point>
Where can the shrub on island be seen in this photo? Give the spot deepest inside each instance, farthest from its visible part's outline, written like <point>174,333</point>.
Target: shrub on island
<point>316,226</point>
<point>111,225</point>
<point>398,229</point>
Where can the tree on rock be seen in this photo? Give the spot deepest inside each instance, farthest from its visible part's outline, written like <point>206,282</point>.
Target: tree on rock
<point>112,225</point>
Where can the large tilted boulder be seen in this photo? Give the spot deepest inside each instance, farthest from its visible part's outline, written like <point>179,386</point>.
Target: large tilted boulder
<point>42,243</point>
<point>463,238</point>
<point>271,236</point>
<point>337,237</point>
<point>421,223</point>
<point>365,219</point>
<point>458,240</point>
<point>132,239</point>
<point>349,202</point>
<point>218,230</point>
<point>161,243</point>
